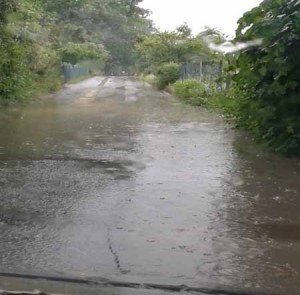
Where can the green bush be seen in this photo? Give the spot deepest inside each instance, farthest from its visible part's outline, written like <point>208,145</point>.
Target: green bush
<point>226,101</point>
<point>268,76</point>
<point>14,72</point>
<point>50,82</point>
<point>73,53</point>
<point>167,74</point>
<point>151,79</point>
<point>192,92</point>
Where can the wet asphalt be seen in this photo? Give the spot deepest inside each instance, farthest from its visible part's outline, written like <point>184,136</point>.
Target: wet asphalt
<point>111,178</point>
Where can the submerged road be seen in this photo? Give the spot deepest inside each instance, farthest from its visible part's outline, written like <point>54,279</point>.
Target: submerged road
<point>111,178</point>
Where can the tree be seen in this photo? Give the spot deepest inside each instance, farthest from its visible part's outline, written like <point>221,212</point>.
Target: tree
<point>177,46</point>
<point>36,36</point>
<point>73,53</point>
<point>114,24</point>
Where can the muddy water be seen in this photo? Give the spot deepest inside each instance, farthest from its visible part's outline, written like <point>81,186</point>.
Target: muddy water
<point>110,178</point>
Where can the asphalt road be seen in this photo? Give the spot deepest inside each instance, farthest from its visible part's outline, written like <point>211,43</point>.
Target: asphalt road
<point>111,178</point>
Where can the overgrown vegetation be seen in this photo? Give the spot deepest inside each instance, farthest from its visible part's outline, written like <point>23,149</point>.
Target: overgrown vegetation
<point>192,92</point>
<point>168,47</point>
<point>268,76</point>
<point>167,74</point>
<point>38,36</point>
<point>262,83</point>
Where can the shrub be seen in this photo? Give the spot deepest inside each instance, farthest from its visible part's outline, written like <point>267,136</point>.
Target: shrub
<point>49,82</point>
<point>268,76</point>
<point>14,73</point>
<point>73,53</point>
<point>167,74</point>
<point>151,79</point>
<point>226,101</point>
<point>192,92</point>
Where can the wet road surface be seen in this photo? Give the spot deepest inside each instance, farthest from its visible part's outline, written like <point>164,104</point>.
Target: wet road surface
<point>110,178</point>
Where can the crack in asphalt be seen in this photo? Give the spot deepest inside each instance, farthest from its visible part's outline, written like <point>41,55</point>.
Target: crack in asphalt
<point>115,255</point>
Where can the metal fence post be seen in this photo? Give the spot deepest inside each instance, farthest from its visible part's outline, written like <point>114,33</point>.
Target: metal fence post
<point>201,70</point>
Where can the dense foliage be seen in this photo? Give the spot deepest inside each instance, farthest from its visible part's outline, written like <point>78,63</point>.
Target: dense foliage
<point>268,76</point>
<point>192,92</point>
<point>168,47</point>
<point>38,36</point>
<point>167,74</point>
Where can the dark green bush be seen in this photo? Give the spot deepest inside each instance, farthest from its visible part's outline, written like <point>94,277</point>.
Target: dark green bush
<point>14,72</point>
<point>167,74</point>
<point>73,53</point>
<point>268,76</point>
<point>192,92</point>
<point>226,102</point>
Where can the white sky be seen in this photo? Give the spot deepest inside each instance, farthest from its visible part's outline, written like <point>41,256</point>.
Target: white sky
<point>222,14</point>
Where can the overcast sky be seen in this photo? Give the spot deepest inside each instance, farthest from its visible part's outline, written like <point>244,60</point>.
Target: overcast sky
<point>222,14</point>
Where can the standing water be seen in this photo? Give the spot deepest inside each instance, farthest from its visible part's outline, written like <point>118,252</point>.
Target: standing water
<point>110,178</point>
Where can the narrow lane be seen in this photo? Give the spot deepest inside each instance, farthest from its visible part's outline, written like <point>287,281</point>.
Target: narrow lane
<point>110,178</point>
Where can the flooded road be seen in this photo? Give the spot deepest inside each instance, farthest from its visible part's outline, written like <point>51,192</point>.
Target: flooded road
<point>110,178</point>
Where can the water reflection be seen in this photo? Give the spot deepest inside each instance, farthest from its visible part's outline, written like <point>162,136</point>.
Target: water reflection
<point>125,181</point>
<point>262,215</point>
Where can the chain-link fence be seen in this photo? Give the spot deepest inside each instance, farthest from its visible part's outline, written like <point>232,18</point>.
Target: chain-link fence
<point>201,71</point>
<point>71,72</point>
<point>207,72</point>
<point>81,70</point>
